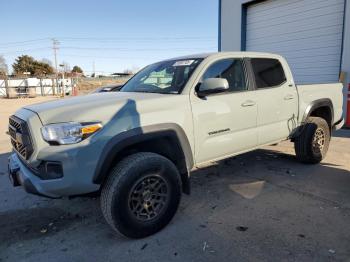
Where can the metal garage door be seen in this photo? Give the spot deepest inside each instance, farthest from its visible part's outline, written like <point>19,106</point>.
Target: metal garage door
<point>307,32</point>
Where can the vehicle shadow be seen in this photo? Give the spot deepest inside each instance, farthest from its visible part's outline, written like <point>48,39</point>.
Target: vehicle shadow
<point>270,166</point>
<point>3,163</point>
<point>324,181</point>
<point>31,223</point>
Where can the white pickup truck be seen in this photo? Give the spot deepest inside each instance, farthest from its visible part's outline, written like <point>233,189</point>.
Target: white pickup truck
<point>138,146</point>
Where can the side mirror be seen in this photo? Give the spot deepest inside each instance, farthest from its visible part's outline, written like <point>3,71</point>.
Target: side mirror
<point>212,86</point>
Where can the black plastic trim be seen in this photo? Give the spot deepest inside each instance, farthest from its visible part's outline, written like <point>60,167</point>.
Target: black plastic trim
<point>41,170</point>
<point>20,134</point>
<point>138,135</point>
<point>338,122</point>
<point>250,74</point>
<point>324,102</point>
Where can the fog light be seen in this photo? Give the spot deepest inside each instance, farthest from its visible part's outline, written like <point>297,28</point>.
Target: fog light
<point>49,170</point>
<point>53,170</point>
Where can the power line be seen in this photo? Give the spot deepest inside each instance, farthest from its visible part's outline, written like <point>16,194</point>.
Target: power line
<point>24,51</point>
<point>24,42</point>
<point>180,41</point>
<point>148,41</point>
<point>124,50</point>
<point>136,49</point>
<point>114,48</point>
<point>21,45</point>
<point>139,38</point>
<point>109,39</point>
<point>101,57</point>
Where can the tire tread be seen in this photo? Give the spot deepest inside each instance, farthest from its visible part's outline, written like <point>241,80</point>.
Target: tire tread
<point>302,143</point>
<point>114,182</point>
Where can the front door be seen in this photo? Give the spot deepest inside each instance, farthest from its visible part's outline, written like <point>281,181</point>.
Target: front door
<point>225,123</point>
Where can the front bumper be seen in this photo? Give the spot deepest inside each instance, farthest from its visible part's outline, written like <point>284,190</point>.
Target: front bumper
<point>54,171</point>
<point>69,185</point>
<point>20,175</point>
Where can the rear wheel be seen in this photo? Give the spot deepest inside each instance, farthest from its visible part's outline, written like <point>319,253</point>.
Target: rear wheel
<point>141,195</point>
<point>311,145</point>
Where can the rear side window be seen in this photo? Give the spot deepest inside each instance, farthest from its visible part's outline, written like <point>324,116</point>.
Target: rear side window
<point>268,72</point>
<point>230,69</point>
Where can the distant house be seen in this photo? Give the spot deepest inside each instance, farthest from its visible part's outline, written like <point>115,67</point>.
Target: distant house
<point>122,74</point>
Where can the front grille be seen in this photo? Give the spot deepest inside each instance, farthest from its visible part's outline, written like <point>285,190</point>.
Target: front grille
<point>20,137</point>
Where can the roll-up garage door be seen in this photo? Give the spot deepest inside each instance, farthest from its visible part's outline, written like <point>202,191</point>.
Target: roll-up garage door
<point>308,33</point>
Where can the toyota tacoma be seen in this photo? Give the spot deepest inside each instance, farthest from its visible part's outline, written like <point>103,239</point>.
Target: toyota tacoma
<point>138,146</point>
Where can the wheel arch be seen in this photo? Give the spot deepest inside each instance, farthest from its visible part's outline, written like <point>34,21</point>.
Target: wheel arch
<point>320,108</point>
<point>168,140</point>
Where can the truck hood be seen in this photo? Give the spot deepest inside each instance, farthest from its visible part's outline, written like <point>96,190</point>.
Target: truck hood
<point>101,107</point>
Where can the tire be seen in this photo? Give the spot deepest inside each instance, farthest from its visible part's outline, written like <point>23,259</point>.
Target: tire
<point>311,145</point>
<point>141,195</point>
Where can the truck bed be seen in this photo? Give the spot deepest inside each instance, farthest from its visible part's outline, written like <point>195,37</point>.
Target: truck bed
<point>310,93</point>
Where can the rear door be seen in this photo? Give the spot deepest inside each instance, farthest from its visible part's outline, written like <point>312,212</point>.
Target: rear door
<point>225,123</point>
<point>276,97</point>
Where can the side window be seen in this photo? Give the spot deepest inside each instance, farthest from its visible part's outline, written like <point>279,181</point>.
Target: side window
<point>268,72</point>
<point>232,70</point>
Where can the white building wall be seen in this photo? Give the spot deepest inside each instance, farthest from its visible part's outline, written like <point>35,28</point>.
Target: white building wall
<point>230,32</point>
<point>230,24</point>
<point>43,88</point>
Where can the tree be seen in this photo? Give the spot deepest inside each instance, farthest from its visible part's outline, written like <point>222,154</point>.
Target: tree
<point>3,66</point>
<point>41,68</point>
<point>27,63</point>
<point>23,64</point>
<point>46,61</point>
<point>77,69</point>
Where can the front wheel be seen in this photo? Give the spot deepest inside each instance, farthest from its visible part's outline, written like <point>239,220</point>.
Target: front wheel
<point>312,144</point>
<point>141,194</point>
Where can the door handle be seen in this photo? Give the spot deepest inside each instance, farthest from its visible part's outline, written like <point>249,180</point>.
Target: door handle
<point>248,103</point>
<point>288,97</point>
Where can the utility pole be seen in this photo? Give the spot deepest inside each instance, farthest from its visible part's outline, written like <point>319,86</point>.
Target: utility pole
<point>55,44</point>
<point>63,87</point>
<point>93,68</point>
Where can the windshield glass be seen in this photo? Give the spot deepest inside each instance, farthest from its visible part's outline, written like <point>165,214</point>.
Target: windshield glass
<point>167,77</point>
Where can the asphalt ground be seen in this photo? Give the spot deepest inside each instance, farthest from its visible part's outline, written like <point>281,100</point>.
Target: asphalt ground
<point>259,206</point>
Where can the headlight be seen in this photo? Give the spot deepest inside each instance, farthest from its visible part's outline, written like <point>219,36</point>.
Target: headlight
<point>68,133</point>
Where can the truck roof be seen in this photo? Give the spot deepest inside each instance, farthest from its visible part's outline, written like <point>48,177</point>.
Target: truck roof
<point>223,54</point>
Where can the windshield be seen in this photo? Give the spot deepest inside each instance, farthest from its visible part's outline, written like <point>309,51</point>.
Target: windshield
<point>167,77</point>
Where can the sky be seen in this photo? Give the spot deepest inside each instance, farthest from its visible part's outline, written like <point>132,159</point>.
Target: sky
<point>113,35</point>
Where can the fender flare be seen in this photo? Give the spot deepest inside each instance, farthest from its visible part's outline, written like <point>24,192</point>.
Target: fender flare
<point>141,134</point>
<point>324,102</point>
